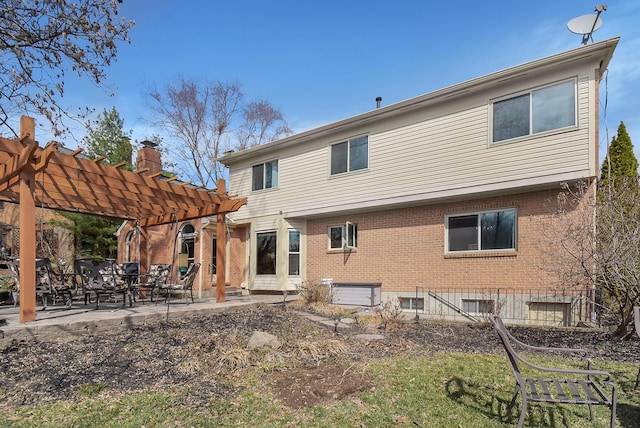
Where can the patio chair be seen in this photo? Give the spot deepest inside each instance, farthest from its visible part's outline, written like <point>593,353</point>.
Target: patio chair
<point>156,276</point>
<point>556,385</point>
<point>127,276</point>
<point>636,320</point>
<point>99,280</point>
<point>47,283</point>
<point>183,286</point>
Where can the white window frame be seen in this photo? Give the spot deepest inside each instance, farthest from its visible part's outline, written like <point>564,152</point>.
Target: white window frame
<point>290,252</point>
<point>479,305</point>
<point>478,248</point>
<point>348,143</point>
<point>530,92</point>
<point>264,175</point>
<point>349,236</point>
<point>413,302</point>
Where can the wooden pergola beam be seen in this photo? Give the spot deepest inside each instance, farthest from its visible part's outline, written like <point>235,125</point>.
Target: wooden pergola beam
<point>55,180</point>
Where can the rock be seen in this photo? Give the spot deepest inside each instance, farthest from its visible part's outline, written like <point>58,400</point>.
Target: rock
<point>587,324</point>
<point>370,336</point>
<point>261,339</point>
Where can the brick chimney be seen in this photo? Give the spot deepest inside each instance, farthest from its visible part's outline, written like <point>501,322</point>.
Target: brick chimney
<point>149,157</point>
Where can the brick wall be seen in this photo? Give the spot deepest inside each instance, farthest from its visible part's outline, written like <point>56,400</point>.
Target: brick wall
<point>404,248</point>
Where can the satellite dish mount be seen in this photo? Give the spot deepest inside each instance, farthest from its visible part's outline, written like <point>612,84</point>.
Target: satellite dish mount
<point>587,24</point>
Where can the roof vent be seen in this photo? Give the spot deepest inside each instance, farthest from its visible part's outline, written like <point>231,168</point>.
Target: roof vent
<point>378,101</point>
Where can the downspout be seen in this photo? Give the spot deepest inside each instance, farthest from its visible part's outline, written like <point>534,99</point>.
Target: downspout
<point>203,225</point>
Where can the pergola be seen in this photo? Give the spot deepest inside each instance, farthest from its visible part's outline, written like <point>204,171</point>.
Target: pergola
<point>68,182</point>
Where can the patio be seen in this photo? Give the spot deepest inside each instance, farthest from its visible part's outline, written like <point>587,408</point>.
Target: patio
<point>58,321</point>
<point>33,176</point>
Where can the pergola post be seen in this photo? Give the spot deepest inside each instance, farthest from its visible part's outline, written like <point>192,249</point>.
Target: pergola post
<point>221,280</point>
<point>27,231</point>
<point>70,182</point>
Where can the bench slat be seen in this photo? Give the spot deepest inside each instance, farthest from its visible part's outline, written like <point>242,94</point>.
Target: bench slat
<point>545,390</point>
<point>534,391</point>
<point>576,394</point>
<point>588,390</point>
<point>559,389</point>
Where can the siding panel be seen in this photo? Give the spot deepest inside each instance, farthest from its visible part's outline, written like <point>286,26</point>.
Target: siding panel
<point>440,150</point>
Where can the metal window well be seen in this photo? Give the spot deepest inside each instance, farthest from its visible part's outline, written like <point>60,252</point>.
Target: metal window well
<point>356,293</point>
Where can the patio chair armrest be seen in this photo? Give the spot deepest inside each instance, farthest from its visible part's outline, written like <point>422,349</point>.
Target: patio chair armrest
<point>584,353</point>
<point>583,372</point>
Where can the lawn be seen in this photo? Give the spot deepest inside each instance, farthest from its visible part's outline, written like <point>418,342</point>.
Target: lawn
<point>441,390</point>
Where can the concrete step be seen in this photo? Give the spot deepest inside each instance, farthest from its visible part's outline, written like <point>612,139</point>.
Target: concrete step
<point>232,291</point>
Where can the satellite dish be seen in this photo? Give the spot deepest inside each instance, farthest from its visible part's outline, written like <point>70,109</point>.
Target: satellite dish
<point>587,24</point>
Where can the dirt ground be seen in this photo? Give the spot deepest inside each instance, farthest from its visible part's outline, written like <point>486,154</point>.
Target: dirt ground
<point>312,365</point>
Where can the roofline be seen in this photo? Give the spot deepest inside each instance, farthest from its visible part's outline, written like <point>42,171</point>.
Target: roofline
<point>603,49</point>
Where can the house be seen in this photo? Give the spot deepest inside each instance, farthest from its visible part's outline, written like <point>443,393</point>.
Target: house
<point>435,201</point>
<point>439,192</point>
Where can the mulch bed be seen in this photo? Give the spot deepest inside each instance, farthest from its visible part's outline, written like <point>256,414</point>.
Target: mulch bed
<point>200,352</point>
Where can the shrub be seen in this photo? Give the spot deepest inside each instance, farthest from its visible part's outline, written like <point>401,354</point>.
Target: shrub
<point>314,292</point>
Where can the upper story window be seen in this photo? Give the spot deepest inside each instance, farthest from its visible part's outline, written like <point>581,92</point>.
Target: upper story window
<point>265,175</point>
<point>350,155</point>
<point>539,110</point>
<point>485,231</point>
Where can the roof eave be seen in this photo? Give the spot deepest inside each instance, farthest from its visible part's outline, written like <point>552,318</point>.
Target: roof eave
<point>604,49</point>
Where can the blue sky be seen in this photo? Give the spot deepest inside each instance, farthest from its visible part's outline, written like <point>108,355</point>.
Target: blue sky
<point>323,61</point>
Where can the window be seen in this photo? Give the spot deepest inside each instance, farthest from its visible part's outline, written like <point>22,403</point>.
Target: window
<point>544,109</point>
<point>350,155</point>
<point>265,175</point>
<point>294,252</point>
<point>492,230</point>
<point>128,246</point>
<point>343,236</point>
<point>474,306</point>
<point>266,264</point>
<point>186,256</point>
<point>412,303</point>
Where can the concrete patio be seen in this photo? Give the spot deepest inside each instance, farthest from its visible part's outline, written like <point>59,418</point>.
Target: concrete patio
<point>58,321</point>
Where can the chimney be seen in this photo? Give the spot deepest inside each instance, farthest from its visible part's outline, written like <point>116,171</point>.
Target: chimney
<point>378,101</point>
<point>149,157</point>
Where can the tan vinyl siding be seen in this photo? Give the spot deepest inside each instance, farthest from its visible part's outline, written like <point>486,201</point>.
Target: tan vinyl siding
<point>444,150</point>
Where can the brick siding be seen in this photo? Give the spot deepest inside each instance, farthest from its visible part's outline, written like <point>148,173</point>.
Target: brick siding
<point>404,248</point>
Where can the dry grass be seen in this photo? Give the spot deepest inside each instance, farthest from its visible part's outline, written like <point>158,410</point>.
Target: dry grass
<point>319,350</point>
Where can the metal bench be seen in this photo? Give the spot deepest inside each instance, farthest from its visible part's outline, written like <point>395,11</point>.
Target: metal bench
<point>564,386</point>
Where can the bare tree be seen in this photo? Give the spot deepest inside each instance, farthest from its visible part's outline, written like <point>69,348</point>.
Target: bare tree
<point>262,123</point>
<point>42,40</point>
<point>206,119</point>
<point>593,241</point>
